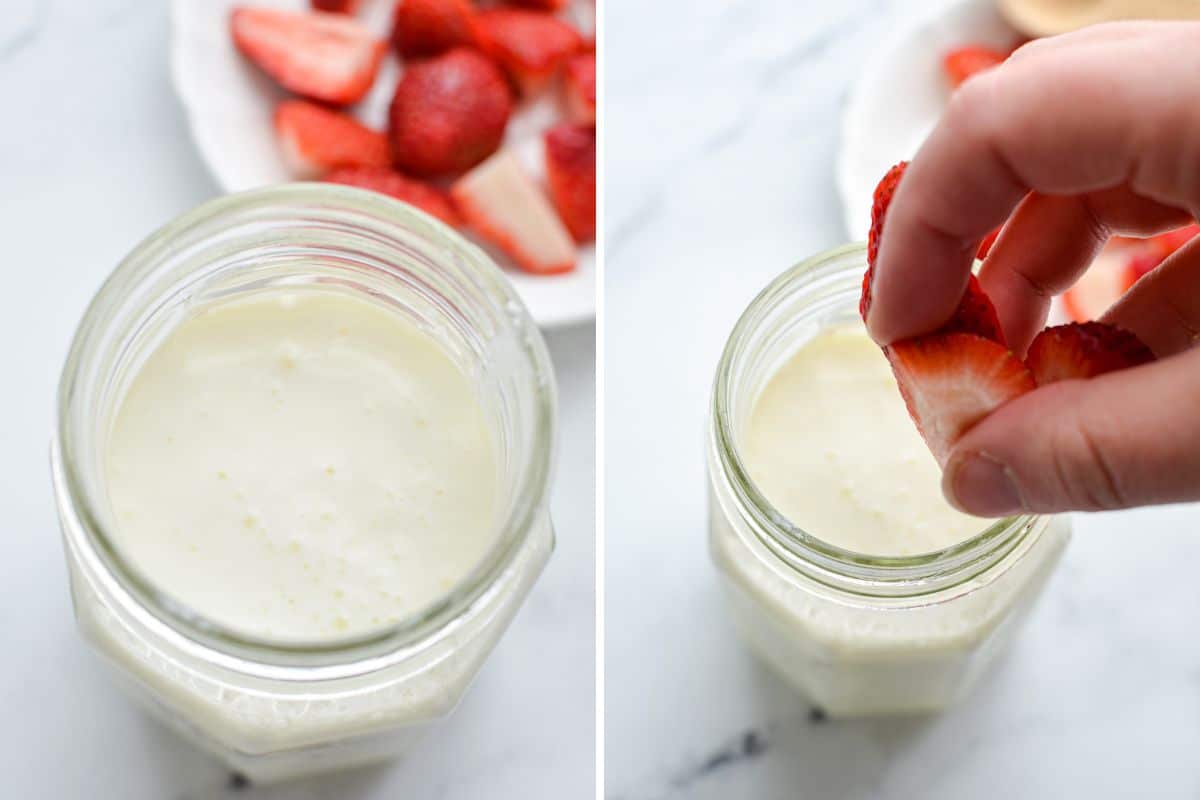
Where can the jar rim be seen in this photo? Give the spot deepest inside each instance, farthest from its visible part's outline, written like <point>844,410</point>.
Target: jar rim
<point>238,647</point>
<point>861,572</point>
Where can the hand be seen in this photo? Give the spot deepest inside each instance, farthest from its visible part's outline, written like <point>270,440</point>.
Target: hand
<point>1072,139</point>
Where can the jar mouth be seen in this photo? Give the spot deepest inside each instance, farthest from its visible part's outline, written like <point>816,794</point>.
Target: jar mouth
<point>331,208</point>
<point>833,279</point>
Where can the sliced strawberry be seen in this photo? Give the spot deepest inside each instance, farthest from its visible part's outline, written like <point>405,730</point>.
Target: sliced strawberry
<point>1167,243</point>
<point>580,87</point>
<point>1083,350</point>
<point>428,27</point>
<point>327,57</point>
<point>429,199</point>
<point>985,246</point>
<point>571,174</point>
<point>975,312</point>
<point>448,113</point>
<point>1105,281</point>
<point>504,206</point>
<point>529,45</point>
<point>950,381</point>
<point>336,6</point>
<point>963,62</point>
<point>316,139</point>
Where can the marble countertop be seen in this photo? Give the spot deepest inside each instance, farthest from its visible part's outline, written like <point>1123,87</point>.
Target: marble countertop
<point>93,156</point>
<point>720,150</point>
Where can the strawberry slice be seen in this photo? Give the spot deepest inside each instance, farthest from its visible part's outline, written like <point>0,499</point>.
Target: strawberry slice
<point>326,57</point>
<point>963,62</point>
<point>1083,350</point>
<point>571,174</point>
<point>950,381</point>
<point>448,114</point>
<point>316,139</point>
<point>427,27</point>
<point>336,6</point>
<point>580,87</point>
<point>529,45</point>
<point>427,198</point>
<point>975,312</point>
<point>504,206</point>
<point>1105,281</point>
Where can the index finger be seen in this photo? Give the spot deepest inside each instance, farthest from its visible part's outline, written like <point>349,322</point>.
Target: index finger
<point>1073,121</point>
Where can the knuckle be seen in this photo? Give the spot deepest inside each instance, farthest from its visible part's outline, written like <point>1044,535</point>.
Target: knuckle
<point>1083,468</point>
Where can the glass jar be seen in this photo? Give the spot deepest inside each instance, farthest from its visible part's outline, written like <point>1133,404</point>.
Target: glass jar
<point>859,634</point>
<point>274,709</point>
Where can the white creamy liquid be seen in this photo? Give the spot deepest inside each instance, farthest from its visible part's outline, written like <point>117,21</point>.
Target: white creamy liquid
<point>302,464</point>
<point>831,446</point>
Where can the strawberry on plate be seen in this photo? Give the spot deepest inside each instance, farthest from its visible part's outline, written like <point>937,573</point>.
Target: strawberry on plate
<point>580,87</point>
<point>571,174</point>
<point>336,6</point>
<point>427,27</point>
<point>326,57</point>
<point>950,381</point>
<point>448,114</point>
<point>1105,281</point>
<point>529,45</point>
<point>315,139</point>
<point>503,205</point>
<point>427,198</point>
<point>963,62</point>
<point>1083,350</point>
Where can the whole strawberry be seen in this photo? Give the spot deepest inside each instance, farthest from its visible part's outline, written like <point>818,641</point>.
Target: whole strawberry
<point>448,114</point>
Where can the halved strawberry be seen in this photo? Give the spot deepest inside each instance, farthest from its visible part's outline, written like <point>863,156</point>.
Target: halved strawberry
<point>950,381</point>
<point>429,199</point>
<point>327,57</point>
<point>316,139</point>
<point>963,62</point>
<point>1104,282</point>
<point>336,6</point>
<point>504,206</point>
<point>975,312</point>
<point>571,174</point>
<point>529,45</point>
<point>1083,350</point>
<point>580,87</point>
<point>428,27</point>
<point>448,114</point>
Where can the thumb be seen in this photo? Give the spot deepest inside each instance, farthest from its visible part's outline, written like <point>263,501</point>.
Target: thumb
<point>1124,439</point>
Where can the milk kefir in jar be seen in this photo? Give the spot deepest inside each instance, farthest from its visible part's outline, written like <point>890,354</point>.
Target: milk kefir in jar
<point>304,446</point>
<point>846,569</point>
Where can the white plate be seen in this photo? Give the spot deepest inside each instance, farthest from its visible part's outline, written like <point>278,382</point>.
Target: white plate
<point>899,96</point>
<point>229,104</point>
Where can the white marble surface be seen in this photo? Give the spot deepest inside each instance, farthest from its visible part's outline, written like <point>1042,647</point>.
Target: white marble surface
<point>93,156</point>
<point>720,157</point>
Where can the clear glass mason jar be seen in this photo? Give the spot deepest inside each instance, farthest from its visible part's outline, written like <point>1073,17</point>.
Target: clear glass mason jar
<point>274,709</point>
<point>858,634</point>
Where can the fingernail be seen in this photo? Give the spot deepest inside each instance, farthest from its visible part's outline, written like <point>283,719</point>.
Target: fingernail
<point>981,485</point>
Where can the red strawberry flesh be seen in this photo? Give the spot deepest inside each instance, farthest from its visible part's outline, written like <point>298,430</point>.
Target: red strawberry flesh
<point>315,139</point>
<point>963,62</point>
<point>950,381</point>
<point>529,45</point>
<point>1084,350</point>
<point>571,174</point>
